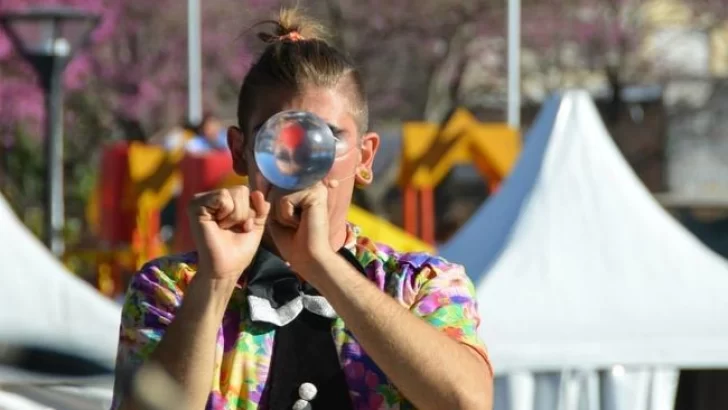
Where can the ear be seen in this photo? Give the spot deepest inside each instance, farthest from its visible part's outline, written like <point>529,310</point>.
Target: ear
<point>236,142</point>
<point>369,146</point>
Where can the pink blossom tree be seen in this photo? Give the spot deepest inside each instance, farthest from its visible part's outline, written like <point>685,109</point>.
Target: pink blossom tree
<point>130,82</point>
<point>135,71</point>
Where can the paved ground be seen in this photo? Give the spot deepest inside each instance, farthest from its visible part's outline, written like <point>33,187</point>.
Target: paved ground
<point>44,397</point>
<point>26,391</point>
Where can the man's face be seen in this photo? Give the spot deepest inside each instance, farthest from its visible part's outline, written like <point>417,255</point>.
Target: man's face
<point>355,154</point>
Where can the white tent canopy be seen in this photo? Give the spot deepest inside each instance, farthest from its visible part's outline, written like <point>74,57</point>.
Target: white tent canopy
<point>578,267</point>
<point>42,304</point>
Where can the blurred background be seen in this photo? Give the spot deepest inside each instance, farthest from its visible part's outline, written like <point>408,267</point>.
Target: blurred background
<point>113,114</point>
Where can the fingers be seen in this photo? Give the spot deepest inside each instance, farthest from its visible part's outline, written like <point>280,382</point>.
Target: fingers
<point>211,205</point>
<point>241,208</point>
<point>288,207</point>
<point>261,209</point>
<point>283,208</point>
<point>233,208</point>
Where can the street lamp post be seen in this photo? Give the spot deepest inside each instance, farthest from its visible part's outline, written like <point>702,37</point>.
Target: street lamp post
<point>514,63</point>
<point>47,38</point>
<point>194,62</point>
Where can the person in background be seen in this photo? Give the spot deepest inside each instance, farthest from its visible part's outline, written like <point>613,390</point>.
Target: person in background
<point>284,304</point>
<point>175,138</point>
<point>210,136</point>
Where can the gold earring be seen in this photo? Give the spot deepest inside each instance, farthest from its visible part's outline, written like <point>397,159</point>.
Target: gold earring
<point>364,174</point>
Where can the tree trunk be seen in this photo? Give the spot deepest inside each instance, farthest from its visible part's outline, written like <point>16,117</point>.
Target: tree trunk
<point>445,83</point>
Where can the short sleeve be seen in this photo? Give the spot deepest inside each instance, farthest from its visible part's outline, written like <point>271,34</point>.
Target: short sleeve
<point>446,300</point>
<point>153,297</point>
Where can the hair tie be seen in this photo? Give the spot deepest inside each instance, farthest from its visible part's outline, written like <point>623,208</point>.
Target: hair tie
<point>292,36</point>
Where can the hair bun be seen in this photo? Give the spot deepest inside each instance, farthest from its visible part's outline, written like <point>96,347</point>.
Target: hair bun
<point>293,25</point>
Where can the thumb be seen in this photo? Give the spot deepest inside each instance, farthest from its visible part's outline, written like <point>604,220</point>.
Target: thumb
<point>316,200</point>
<point>262,210</point>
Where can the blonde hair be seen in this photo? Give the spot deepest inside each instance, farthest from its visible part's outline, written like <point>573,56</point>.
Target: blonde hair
<point>299,54</point>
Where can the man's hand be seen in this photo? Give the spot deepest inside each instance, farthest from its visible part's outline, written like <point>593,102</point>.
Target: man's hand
<point>227,226</point>
<point>299,224</point>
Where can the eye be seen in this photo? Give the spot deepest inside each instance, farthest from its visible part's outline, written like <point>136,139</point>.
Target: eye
<point>342,145</point>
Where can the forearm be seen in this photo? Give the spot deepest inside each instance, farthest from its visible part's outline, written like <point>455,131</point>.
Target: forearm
<point>430,369</point>
<point>187,349</point>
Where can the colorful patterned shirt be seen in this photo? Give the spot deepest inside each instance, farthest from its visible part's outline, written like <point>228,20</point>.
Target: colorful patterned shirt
<point>431,288</point>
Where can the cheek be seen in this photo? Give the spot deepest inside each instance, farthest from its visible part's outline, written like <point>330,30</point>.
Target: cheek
<point>256,180</point>
<point>261,184</point>
<point>340,198</point>
<point>345,165</point>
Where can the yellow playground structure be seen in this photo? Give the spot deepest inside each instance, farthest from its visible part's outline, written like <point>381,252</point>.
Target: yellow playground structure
<point>430,151</point>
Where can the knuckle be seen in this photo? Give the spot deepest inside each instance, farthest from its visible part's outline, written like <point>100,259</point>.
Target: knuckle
<point>196,202</point>
<point>319,189</point>
<point>240,189</point>
<point>225,197</point>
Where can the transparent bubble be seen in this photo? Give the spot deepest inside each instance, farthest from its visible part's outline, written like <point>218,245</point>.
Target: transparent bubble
<point>295,149</point>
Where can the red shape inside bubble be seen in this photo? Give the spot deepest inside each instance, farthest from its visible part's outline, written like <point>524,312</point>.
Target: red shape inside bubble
<point>292,135</point>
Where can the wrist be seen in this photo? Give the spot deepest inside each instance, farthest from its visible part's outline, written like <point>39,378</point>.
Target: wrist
<point>320,268</point>
<point>303,260</point>
<point>210,293</point>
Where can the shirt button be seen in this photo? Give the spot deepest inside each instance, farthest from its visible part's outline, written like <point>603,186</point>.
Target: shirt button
<point>307,391</point>
<point>302,405</point>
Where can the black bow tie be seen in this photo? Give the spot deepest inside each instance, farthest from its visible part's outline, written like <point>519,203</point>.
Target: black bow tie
<point>276,295</point>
